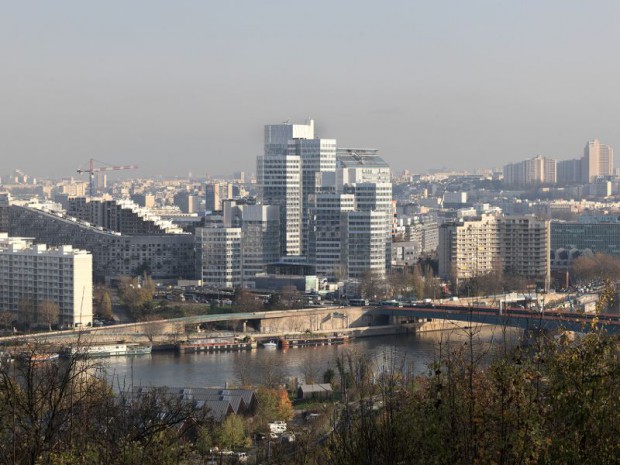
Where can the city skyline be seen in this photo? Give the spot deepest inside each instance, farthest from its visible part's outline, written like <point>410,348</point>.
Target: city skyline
<point>469,86</point>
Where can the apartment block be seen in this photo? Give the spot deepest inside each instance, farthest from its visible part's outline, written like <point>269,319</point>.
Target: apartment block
<point>163,256</point>
<point>33,273</point>
<point>479,246</point>
<point>219,256</point>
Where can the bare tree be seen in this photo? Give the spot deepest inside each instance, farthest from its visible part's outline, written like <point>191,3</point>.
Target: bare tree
<point>48,313</point>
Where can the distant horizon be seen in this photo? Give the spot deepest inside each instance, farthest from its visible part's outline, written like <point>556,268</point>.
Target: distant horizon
<point>188,86</point>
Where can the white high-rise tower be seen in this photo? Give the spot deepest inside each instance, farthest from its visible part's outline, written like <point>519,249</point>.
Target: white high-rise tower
<point>598,160</point>
<point>289,173</point>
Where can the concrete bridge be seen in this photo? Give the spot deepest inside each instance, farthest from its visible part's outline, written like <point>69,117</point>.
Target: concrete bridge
<point>548,320</point>
<point>259,324</point>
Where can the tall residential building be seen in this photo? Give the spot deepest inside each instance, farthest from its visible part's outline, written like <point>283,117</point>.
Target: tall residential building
<point>537,170</point>
<point>488,244</point>
<point>469,248</point>
<point>526,246</point>
<point>569,171</point>
<point>316,157</point>
<point>327,227</point>
<point>364,245</point>
<point>219,256</point>
<point>280,178</point>
<point>260,236</point>
<point>377,196</point>
<point>31,274</point>
<point>598,160</point>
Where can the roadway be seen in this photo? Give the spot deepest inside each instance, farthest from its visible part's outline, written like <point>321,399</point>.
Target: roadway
<point>515,317</point>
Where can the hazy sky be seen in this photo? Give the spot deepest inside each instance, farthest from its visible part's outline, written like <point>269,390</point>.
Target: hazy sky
<point>187,85</point>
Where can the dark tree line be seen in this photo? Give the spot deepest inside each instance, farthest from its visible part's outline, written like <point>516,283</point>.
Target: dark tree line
<point>556,403</point>
<point>64,412</point>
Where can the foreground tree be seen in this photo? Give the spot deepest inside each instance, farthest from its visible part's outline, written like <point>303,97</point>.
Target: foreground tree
<point>48,313</point>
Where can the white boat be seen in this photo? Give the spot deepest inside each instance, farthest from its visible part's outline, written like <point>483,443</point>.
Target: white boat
<point>270,345</point>
<point>110,350</point>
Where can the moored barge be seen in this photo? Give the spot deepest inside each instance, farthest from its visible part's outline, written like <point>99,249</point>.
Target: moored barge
<point>313,340</point>
<point>216,345</point>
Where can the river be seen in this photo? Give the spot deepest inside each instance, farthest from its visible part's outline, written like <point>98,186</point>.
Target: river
<point>411,353</point>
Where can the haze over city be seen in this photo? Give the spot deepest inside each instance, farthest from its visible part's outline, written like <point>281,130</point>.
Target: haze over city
<point>430,84</point>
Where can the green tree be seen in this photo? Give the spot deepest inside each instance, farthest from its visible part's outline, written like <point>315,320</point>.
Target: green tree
<point>231,433</point>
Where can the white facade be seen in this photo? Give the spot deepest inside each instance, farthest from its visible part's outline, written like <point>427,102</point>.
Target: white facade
<point>365,243</point>
<point>219,256</point>
<point>488,244</point>
<point>318,156</point>
<point>277,136</point>
<point>328,212</point>
<point>370,196</point>
<point>598,160</point>
<point>280,178</point>
<point>260,236</point>
<point>36,273</point>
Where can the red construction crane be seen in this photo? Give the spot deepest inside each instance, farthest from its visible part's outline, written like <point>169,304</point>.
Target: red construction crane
<point>92,170</point>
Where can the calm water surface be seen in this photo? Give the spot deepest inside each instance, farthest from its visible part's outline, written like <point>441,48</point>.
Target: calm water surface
<point>403,352</point>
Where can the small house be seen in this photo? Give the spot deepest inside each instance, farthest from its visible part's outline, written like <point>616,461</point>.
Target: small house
<point>315,391</point>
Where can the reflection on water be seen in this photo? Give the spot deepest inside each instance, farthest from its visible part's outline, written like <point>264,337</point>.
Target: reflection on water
<point>410,352</point>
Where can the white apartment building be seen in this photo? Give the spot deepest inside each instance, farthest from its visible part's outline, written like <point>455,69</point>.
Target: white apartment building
<point>328,215</point>
<point>219,256</point>
<point>526,246</point>
<point>469,248</point>
<point>34,273</point>
<point>364,246</point>
<point>377,196</point>
<point>317,156</point>
<point>280,185</point>
<point>480,246</point>
<point>260,236</point>
<point>598,160</point>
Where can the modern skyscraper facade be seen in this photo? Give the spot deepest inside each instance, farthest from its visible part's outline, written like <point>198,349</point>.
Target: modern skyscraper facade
<point>281,186</point>
<point>316,186</point>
